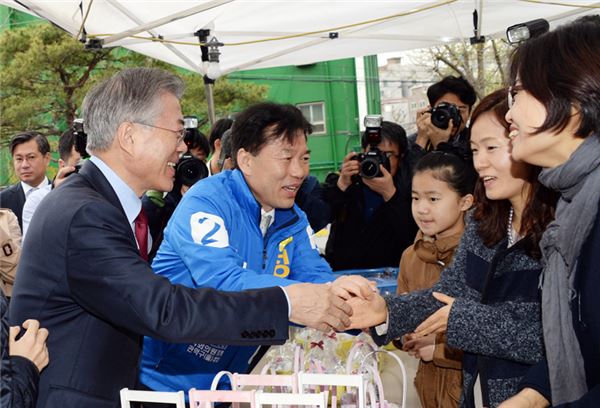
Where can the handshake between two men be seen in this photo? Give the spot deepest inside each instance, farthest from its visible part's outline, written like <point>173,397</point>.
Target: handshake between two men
<point>349,302</point>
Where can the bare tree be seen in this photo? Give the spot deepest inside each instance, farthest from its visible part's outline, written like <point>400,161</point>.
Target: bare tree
<point>483,64</point>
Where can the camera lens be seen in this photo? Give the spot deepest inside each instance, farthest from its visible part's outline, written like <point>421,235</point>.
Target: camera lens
<point>443,113</point>
<point>190,170</point>
<point>369,168</point>
<point>440,118</point>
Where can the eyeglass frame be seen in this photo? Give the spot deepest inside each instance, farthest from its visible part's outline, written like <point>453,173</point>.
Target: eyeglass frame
<point>180,133</point>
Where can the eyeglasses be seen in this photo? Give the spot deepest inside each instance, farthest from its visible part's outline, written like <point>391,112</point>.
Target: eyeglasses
<point>180,133</point>
<point>513,90</point>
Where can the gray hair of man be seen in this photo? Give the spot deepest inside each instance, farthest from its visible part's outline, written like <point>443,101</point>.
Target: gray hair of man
<point>132,95</point>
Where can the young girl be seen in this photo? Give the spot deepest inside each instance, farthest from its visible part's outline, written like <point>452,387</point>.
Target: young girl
<point>487,298</point>
<point>442,192</point>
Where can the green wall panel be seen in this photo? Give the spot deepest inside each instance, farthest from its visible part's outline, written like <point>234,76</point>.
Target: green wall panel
<point>334,84</point>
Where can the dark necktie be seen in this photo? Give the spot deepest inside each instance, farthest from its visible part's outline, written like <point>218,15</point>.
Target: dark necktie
<point>141,233</point>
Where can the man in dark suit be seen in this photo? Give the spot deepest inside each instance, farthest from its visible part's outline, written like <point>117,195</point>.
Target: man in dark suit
<point>31,155</point>
<point>84,278</point>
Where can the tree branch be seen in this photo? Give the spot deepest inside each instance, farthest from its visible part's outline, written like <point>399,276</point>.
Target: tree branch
<point>451,65</point>
<point>98,57</point>
<point>480,84</point>
<point>499,63</point>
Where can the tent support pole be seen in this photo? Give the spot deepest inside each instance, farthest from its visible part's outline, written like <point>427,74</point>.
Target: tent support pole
<point>210,102</point>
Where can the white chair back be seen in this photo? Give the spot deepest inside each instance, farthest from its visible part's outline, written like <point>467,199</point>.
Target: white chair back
<point>240,381</point>
<point>175,398</point>
<point>278,399</point>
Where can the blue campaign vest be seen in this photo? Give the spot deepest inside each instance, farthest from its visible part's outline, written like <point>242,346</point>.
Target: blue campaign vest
<point>213,240</point>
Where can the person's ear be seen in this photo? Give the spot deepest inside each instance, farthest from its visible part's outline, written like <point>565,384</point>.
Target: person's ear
<point>61,163</point>
<point>466,202</point>
<point>47,158</point>
<point>125,137</point>
<point>245,161</point>
<point>218,145</point>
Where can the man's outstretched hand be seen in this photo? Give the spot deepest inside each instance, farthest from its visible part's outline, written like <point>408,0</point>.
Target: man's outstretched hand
<point>316,306</point>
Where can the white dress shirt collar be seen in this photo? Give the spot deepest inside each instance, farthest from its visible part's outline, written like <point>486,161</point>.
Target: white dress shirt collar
<point>26,187</point>
<point>130,202</point>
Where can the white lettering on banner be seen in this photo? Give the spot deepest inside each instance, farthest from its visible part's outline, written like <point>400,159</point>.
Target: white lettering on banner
<point>208,352</point>
<point>209,230</point>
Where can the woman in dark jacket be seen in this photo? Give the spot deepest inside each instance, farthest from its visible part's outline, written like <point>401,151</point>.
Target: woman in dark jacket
<point>555,123</point>
<point>22,361</point>
<point>488,297</point>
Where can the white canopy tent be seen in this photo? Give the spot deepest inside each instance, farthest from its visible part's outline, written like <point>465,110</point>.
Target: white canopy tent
<point>268,33</point>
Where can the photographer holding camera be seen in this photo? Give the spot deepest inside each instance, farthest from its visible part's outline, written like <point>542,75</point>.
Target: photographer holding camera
<point>190,168</point>
<point>373,222</point>
<point>446,117</point>
<point>444,120</point>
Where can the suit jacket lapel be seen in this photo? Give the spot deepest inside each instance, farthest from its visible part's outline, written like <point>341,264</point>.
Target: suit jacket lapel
<point>20,194</point>
<point>99,183</point>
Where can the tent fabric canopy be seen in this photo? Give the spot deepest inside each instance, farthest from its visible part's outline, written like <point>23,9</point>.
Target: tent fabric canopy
<point>269,33</point>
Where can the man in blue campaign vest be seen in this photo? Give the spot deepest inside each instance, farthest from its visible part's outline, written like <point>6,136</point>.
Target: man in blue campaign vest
<point>238,230</point>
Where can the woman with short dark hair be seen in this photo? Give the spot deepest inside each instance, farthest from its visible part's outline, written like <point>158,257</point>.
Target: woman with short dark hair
<point>555,124</point>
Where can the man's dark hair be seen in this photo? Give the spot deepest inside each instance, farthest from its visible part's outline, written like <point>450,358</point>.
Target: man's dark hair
<point>24,137</point>
<point>561,69</point>
<point>225,147</point>
<point>455,85</point>
<point>263,122</point>
<point>217,130</point>
<point>195,139</point>
<point>65,144</point>
<point>393,133</point>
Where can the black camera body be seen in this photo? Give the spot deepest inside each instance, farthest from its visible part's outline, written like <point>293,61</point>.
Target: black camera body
<point>189,170</point>
<point>80,142</point>
<point>373,158</point>
<point>190,123</point>
<point>370,162</point>
<point>441,115</point>
<point>80,138</point>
